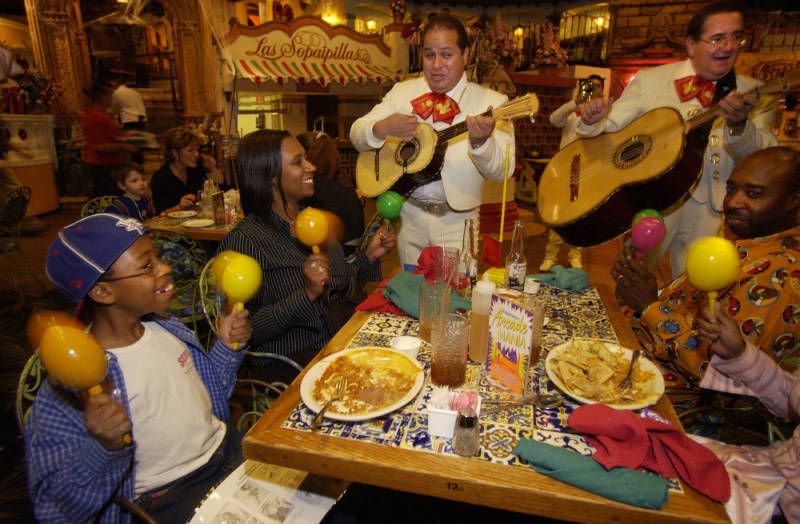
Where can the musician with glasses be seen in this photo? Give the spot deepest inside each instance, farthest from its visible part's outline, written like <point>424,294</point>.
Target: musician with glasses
<point>715,35</point>
<point>435,212</point>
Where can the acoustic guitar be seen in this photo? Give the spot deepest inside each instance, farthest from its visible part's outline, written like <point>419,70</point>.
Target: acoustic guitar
<point>591,189</point>
<point>404,165</point>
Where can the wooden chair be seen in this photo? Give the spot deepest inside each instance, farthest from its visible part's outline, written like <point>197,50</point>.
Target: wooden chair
<point>97,205</point>
<point>257,393</point>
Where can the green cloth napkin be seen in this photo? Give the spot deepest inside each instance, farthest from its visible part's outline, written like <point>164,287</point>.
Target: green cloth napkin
<point>626,485</point>
<point>403,291</point>
<point>569,279</point>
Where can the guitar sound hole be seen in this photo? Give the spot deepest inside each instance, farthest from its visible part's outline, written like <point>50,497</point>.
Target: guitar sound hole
<point>632,151</point>
<point>407,152</point>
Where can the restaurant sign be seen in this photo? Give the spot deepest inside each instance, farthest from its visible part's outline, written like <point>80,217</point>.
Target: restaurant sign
<point>308,50</point>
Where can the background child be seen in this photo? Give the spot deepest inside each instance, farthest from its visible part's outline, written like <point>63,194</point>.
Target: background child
<point>129,177</point>
<point>164,389</point>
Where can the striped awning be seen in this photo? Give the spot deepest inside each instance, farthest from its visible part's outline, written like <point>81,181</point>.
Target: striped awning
<point>281,71</point>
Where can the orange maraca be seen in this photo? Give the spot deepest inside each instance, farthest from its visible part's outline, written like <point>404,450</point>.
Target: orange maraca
<point>71,356</point>
<point>240,280</point>
<point>311,228</point>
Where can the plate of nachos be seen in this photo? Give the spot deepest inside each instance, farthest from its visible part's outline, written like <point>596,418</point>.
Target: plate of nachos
<point>590,371</point>
<point>378,381</point>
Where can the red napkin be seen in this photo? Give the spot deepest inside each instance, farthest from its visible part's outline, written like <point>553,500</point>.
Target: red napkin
<point>623,438</point>
<point>426,266</point>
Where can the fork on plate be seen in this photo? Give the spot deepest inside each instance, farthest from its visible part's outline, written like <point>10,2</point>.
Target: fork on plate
<point>338,392</point>
<point>626,382</point>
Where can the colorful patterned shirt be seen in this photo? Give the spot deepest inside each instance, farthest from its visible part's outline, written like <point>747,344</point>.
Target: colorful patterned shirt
<point>764,301</point>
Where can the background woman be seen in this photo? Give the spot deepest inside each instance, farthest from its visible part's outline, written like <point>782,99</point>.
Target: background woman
<point>295,312</point>
<point>176,183</point>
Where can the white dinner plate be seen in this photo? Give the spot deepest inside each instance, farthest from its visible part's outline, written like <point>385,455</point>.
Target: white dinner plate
<point>652,391</point>
<point>182,214</point>
<point>198,222</point>
<point>313,374</point>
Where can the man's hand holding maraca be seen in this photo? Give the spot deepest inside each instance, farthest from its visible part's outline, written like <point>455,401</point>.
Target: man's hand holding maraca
<point>235,329</point>
<point>636,286</point>
<point>720,333</point>
<point>381,243</point>
<point>107,421</point>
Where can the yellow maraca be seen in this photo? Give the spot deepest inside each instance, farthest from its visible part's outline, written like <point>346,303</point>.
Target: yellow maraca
<point>240,280</point>
<point>712,263</point>
<point>221,261</point>
<point>70,355</point>
<point>311,228</point>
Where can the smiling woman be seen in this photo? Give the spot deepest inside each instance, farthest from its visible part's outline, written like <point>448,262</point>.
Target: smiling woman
<point>303,300</point>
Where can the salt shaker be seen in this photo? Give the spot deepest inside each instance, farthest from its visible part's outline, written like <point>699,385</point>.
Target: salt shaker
<point>467,436</point>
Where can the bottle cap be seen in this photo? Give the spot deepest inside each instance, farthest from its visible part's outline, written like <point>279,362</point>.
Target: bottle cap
<point>467,418</point>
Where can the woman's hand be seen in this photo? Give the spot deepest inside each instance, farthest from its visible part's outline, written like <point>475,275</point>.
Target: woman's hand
<point>317,274</point>
<point>636,286</point>
<point>235,328</point>
<point>106,421</point>
<point>187,201</point>
<point>720,333</point>
<point>381,243</point>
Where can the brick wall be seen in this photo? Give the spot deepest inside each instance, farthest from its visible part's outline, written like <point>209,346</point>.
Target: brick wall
<point>541,135</point>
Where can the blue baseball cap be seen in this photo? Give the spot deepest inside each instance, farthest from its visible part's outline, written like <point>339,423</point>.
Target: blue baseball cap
<point>84,250</point>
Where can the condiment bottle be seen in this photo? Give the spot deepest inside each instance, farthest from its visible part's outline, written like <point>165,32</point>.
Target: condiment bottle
<point>516,262</point>
<point>479,319</point>
<point>469,262</point>
<point>467,433</point>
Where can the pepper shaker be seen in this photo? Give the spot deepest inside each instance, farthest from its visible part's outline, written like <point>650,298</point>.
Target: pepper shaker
<point>467,436</point>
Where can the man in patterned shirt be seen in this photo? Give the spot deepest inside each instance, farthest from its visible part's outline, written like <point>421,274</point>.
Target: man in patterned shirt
<point>761,205</point>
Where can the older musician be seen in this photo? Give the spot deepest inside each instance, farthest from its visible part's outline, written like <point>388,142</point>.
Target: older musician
<point>714,37</point>
<point>435,212</point>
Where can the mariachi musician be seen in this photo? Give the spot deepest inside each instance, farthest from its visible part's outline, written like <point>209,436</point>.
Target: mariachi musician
<point>714,37</point>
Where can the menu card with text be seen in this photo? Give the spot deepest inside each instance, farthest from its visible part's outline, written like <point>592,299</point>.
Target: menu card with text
<point>510,337</point>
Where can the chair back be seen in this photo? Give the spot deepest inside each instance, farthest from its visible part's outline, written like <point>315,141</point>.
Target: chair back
<point>187,258</point>
<point>31,378</point>
<point>13,209</point>
<point>97,205</point>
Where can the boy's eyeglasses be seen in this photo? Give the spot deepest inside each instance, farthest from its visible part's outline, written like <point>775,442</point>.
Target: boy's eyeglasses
<point>149,270</point>
<point>717,41</point>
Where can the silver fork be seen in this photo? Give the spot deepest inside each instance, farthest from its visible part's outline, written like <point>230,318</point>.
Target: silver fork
<point>338,392</point>
<point>626,382</point>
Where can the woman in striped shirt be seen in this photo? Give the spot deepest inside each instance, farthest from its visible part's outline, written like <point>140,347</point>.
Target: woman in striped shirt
<point>302,301</point>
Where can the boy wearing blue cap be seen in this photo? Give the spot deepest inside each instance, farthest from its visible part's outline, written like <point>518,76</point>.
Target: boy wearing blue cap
<point>165,390</point>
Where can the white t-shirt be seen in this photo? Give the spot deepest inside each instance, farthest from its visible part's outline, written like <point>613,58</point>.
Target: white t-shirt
<point>128,105</point>
<point>173,427</point>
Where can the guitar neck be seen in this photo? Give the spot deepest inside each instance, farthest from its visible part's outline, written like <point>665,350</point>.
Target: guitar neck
<point>782,84</point>
<point>445,135</point>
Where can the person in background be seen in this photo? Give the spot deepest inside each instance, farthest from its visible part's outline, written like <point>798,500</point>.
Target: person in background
<point>162,388</point>
<point>761,204</point>
<point>714,37</point>
<point>102,148</point>
<point>764,481</point>
<point>434,213</point>
<point>8,180</point>
<point>175,184</point>
<point>130,178</point>
<point>127,106</point>
<point>566,117</point>
<point>303,299</point>
<point>9,68</point>
<point>331,191</point>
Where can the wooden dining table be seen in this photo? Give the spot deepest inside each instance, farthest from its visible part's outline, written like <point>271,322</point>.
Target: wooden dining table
<point>174,225</point>
<point>443,475</point>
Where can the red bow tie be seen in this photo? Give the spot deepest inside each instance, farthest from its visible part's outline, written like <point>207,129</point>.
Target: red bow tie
<point>693,86</point>
<point>442,107</point>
